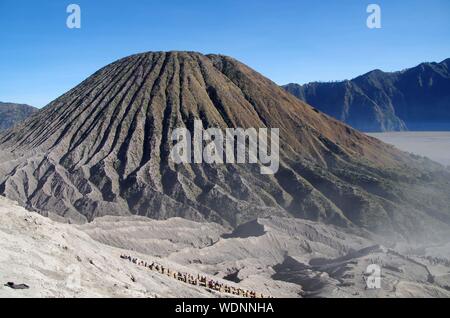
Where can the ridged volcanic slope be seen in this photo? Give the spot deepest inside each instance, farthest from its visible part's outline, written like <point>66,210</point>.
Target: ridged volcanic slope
<point>103,148</point>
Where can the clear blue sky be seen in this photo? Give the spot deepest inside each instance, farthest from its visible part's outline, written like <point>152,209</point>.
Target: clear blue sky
<point>286,40</point>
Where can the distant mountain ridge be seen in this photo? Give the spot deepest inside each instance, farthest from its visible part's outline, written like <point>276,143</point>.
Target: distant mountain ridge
<point>417,98</point>
<point>12,114</point>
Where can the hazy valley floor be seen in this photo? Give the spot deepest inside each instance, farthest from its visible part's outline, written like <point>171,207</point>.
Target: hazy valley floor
<point>434,145</point>
<point>279,257</point>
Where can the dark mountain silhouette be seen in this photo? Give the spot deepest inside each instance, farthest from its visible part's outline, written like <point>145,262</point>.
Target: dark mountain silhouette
<point>414,99</point>
<point>103,149</point>
<point>12,114</point>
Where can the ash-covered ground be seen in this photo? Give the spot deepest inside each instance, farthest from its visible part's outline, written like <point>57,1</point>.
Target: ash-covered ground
<point>279,257</point>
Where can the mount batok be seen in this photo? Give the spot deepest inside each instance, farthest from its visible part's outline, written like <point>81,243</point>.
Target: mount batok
<point>103,149</point>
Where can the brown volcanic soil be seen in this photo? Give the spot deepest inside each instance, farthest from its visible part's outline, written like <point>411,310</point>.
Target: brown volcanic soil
<point>103,149</point>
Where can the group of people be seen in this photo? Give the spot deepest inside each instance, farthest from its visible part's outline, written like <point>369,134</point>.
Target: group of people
<point>198,280</point>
